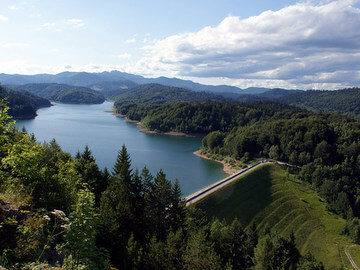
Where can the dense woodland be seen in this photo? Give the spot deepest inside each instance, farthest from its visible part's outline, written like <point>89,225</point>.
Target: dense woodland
<point>23,104</point>
<point>62,93</point>
<point>57,210</point>
<point>325,147</point>
<point>345,101</point>
<point>160,94</point>
<point>204,117</point>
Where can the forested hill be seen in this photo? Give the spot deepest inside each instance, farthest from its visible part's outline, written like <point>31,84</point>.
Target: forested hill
<point>23,104</point>
<point>204,117</point>
<point>346,101</point>
<point>110,89</point>
<point>62,93</point>
<point>160,94</point>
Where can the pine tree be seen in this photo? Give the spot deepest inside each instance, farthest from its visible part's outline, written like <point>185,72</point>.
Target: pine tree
<point>177,211</point>
<point>122,166</point>
<point>200,253</point>
<point>91,174</point>
<point>117,211</point>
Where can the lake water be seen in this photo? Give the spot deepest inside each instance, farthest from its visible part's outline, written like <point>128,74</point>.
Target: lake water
<point>75,126</point>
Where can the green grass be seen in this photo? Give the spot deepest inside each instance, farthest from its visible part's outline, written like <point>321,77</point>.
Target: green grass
<point>273,198</point>
<point>355,254</point>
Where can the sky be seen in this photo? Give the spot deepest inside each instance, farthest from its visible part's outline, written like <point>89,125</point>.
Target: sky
<point>258,43</point>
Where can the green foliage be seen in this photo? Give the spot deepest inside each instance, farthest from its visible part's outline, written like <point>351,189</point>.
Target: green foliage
<point>327,148</point>
<point>203,117</point>
<point>308,262</point>
<point>141,220</point>
<point>271,197</point>
<point>352,228</point>
<point>23,104</point>
<point>81,231</point>
<point>160,94</point>
<point>344,101</point>
<point>200,253</point>
<point>96,180</point>
<point>134,208</point>
<point>276,252</point>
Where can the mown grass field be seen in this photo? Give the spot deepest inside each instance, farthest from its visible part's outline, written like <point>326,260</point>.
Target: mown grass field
<point>355,254</point>
<point>273,198</point>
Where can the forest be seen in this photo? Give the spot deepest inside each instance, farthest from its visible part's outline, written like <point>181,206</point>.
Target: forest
<point>23,104</point>
<point>345,101</point>
<point>160,94</point>
<point>63,212</point>
<point>325,146</point>
<point>62,93</point>
<point>204,117</point>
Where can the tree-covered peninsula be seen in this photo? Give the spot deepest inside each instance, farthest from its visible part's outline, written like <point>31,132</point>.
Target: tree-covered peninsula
<point>23,104</point>
<point>62,93</point>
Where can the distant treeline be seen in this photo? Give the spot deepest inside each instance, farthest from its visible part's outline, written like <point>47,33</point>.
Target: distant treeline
<point>160,94</point>
<point>62,93</point>
<point>346,101</point>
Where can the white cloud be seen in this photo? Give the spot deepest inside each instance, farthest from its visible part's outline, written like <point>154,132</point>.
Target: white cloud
<point>132,40</point>
<point>12,7</point>
<point>77,23</point>
<point>48,24</point>
<point>123,56</point>
<point>300,45</point>
<point>3,18</point>
<point>14,45</point>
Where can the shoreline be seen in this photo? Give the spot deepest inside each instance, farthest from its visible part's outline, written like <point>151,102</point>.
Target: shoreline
<point>148,131</point>
<point>226,167</point>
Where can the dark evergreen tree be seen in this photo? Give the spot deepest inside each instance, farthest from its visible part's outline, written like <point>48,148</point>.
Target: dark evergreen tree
<point>200,253</point>
<point>91,174</point>
<point>117,211</point>
<point>177,211</point>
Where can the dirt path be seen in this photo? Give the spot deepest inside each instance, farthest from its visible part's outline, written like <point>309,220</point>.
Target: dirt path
<point>210,189</point>
<point>348,255</point>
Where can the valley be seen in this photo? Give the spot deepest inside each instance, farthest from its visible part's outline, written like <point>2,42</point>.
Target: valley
<point>305,206</point>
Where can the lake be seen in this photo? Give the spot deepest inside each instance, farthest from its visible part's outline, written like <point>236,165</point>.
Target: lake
<point>75,126</point>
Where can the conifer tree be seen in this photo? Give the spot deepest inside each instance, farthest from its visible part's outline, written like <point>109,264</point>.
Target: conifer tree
<point>177,211</point>
<point>117,211</point>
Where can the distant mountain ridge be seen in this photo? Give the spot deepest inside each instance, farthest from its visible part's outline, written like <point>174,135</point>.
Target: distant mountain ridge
<point>90,79</point>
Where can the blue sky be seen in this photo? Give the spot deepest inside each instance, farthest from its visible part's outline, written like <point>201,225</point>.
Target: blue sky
<point>292,44</point>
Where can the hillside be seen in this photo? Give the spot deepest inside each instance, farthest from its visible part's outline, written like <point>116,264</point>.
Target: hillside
<point>111,89</point>
<point>160,94</point>
<point>23,104</point>
<point>274,199</point>
<point>203,117</point>
<point>62,93</point>
<point>346,101</point>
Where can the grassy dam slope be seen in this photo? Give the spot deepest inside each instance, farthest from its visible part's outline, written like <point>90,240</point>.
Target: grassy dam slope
<point>273,198</point>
